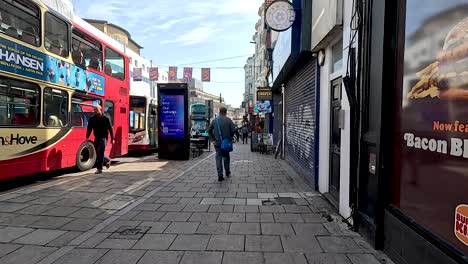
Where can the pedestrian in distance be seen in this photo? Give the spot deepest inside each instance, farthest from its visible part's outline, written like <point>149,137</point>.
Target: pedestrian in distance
<point>237,135</point>
<point>101,127</point>
<point>221,131</point>
<point>245,135</point>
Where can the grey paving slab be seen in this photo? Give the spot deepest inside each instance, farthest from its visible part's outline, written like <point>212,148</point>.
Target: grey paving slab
<point>121,257</point>
<point>22,198</point>
<point>22,220</point>
<point>167,200</point>
<point>148,216</point>
<point>290,258</point>
<point>271,209</point>
<point>176,216</point>
<point>245,229</point>
<point>117,243</point>
<point>39,237</point>
<point>246,195</point>
<point>7,249</point>
<point>226,243</point>
<point>197,257</point>
<point>259,217</point>
<point>129,215</point>
<point>196,208</point>
<point>115,205</point>
<point>235,201</point>
<point>155,227</point>
<point>45,200</point>
<point>165,194</point>
<point>81,256</point>
<point>225,194</point>
<point>155,242</point>
<point>162,257</point>
<point>213,228</point>
<point>189,200</point>
<point>243,257</point>
<point>182,228</point>
<point>10,233</point>
<point>94,240</point>
<point>64,239</point>
<point>297,209</point>
<point>231,217</point>
<point>246,209</point>
<point>313,218</point>
<point>172,207</point>
<point>325,258</point>
<point>81,225</point>
<point>6,207</point>
<point>51,222</point>
<point>190,242</point>
<point>221,208</point>
<point>253,201</point>
<point>87,213</point>
<point>35,209</point>
<point>339,244</point>
<point>288,218</point>
<point>114,226</point>
<point>60,211</point>
<point>27,254</point>
<point>147,207</point>
<point>311,229</point>
<point>263,243</point>
<point>300,244</point>
<point>185,194</point>
<point>277,229</point>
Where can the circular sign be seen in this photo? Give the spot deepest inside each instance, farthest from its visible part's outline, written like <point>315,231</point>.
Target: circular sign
<point>280,15</point>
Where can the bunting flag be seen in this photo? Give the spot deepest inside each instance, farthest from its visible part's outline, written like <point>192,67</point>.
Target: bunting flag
<point>137,74</point>
<point>205,75</point>
<point>154,74</point>
<point>187,74</point>
<point>172,74</point>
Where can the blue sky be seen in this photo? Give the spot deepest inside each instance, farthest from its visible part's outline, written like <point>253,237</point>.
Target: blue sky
<point>178,32</point>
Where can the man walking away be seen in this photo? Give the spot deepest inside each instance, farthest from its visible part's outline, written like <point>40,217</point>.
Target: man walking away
<point>101,126</point>
<point>227,128</point>
<point>245,135</point>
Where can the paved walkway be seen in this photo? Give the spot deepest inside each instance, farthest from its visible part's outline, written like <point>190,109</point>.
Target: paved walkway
<point>150,211</point>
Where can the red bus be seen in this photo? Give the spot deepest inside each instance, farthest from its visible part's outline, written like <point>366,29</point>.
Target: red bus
<point>52,73</point>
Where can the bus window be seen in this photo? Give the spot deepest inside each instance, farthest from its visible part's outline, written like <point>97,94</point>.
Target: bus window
<point>20,19</point>
<point>88,48</point>
<point>109,111</point>
<point>55,107</point>
<point>56,35</point>
<point>19,103</point>
<point>82,109</point>
<point>114,64</point>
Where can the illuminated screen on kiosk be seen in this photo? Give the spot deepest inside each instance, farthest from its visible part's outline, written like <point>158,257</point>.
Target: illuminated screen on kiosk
<point>172,116</point>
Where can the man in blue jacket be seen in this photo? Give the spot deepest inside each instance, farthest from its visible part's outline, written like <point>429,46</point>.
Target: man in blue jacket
<point>228,129</point>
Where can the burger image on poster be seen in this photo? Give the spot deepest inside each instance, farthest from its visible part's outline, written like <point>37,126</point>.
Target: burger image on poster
<point>447,77</point>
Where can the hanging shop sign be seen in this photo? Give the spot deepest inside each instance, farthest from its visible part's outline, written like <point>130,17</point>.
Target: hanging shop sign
<point>264,94</point>
<point>432,123</point>
<point>280,15</point>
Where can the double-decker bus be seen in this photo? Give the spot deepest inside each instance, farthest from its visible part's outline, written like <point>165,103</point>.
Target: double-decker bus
<point>199,121</point>
<point>52,73</point>
<point>143,133</point>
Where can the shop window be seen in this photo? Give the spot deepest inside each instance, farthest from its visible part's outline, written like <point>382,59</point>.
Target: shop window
<point>55,107</point>
<point>337,56</point>
<point>19,103</point>
<point>82,109</point>
<point>56,35</point>
<point>87,52</point>
<point>21,20</point>
<point>115,64</point>
<point>109,111</point>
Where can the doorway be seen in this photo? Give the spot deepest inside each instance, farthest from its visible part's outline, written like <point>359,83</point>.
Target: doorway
<point>335,139</point>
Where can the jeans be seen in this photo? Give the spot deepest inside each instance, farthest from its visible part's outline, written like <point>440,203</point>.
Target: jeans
<point>245,138</point>
<point>100,147</point>
<point>220,156</point>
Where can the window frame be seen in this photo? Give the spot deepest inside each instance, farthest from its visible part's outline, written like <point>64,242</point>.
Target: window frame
<point>83,38</point>
<point>67,44</point>
<point>82,96</point>
<point>26,7</point>
<point>37,105</point>
<point>112,118</point>
<point>123,64</point>
<point>44,114</point>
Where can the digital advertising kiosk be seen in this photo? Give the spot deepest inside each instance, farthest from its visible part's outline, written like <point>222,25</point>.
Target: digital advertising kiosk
<point>173,121</point>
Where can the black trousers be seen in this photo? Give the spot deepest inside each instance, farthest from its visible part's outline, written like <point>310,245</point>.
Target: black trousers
<point>100,147</point>
<point>245,138</point>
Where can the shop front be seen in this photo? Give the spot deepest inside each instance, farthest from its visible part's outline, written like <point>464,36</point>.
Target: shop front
<point>413,173</point>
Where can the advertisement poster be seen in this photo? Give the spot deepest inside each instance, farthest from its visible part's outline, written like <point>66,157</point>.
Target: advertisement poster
<point>15,58</point>
<point>172,116</point>
<point>432,124</point>
<point>172,73</point>
<point>137,74</point>
<point>154,74</point>
<point>205,74</point>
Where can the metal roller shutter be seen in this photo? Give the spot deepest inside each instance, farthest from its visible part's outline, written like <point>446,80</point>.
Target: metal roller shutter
<point>278,116</point>
<point>301,120</point>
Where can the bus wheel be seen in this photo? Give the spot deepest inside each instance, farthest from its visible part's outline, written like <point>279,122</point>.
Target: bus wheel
<point>86,156</point>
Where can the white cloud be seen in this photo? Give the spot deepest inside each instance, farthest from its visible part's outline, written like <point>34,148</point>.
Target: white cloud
<point>194,36</point>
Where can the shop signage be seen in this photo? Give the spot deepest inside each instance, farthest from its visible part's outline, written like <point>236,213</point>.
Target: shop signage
<point>264,94</point>
<point>432,123</point>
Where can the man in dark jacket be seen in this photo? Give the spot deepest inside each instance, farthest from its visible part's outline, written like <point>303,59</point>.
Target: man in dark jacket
<point>101,127</point>
<point>228,129</point>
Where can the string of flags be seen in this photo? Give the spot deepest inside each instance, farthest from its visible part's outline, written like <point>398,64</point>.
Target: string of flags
<point>172,74</point>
